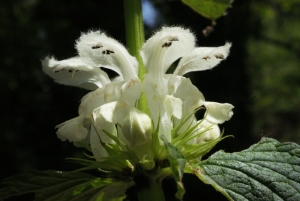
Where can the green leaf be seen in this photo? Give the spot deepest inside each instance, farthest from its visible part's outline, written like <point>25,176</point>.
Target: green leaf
<point>211,9</point>
<point>177,163</point>
<point>269,170</point>
<point>64,186</point>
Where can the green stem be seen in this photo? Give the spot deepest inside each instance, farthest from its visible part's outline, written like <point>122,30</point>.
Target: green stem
<point>135,39</point>
<point>154,192</point>
<point>135,31</point>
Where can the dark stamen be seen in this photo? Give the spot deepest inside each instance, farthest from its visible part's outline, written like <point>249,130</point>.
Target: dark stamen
<point>219,56</point>
<point>169,43</point>
<point>107,52</point>
<point>97,47</point>
<point>58,70</point>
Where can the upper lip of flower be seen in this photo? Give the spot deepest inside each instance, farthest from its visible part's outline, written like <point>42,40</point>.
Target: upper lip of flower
<point>95,50</point>
<point>75,72</point>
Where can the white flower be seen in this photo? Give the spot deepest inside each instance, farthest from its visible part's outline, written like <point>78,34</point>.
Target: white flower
<point>171,95</point>
<point>96,50</point>
<point>109,121</point>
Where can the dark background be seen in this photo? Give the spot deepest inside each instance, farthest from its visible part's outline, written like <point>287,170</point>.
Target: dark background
<point>261,76</point>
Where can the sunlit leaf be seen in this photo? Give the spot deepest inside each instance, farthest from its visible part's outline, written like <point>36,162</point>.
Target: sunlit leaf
<point>211,9</point>
<point>269,170</point>
<point>64,186</point>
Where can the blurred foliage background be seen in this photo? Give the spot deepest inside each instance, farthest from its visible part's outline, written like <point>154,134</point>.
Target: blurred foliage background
<point>261,77</point>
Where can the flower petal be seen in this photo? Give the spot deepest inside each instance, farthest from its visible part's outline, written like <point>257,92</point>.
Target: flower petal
<point>165,126</point>
<point>190,95</point>
<point>72,130</point>
<point>113,91</point>
<point>173,106</point>
<point>191,99</point>
<point>202,58</point>
<point>217,113</point>
<point>104,114</point>
<point>116,111</point>
<point>131,91</point>
<point>91,101</point>
<point>75,72</point>
<point>96,49</point>
<point>98,150</point>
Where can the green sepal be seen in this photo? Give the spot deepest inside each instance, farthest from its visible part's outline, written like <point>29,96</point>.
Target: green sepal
<point>196,151</point>
<point>268,170</point>
<point>187,135</point>
<point>181,141</point>
<point>64,186</point>
<point>89,165</point>
<point>211,9</point>
<point>113,137</point>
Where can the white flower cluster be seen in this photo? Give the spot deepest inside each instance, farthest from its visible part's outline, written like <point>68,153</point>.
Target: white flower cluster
<point>109,120</point>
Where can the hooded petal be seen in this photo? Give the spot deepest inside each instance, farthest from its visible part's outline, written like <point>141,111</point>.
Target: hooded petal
<point>97,49</point>
<point>75,72</point>
<point>217,113</point>
<point>165,47</point>
<point>202,58</point>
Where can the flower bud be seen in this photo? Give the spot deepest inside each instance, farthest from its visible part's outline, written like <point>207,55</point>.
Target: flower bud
<point>137,128</point>
<point>210,132</point>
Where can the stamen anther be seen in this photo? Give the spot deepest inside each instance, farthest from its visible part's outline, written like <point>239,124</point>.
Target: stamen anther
<point>219,56</point>
<point>169,43</point>
<point>206,57</point>
<point>97,46</point>
<point>58,70</point>
<point>107,52</point>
